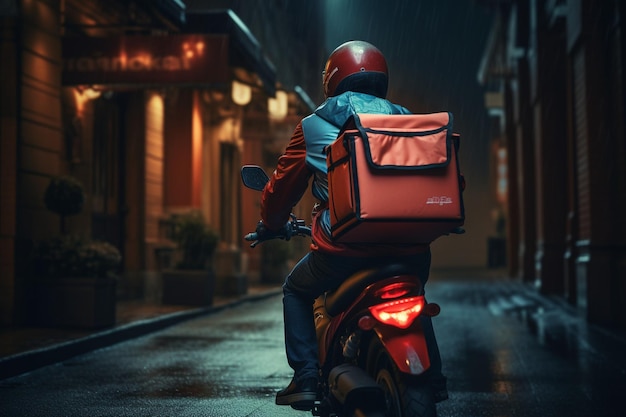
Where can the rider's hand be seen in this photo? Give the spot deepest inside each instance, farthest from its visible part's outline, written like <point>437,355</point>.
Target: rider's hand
<point>263,233</point>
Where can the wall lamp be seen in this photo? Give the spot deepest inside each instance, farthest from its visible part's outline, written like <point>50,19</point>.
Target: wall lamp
<point>241,93</point>
<point>83,94</point>
<point>278,106</point>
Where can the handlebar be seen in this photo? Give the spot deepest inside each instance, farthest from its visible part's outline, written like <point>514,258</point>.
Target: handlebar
<point>255,178</point>
<point>295,227</point>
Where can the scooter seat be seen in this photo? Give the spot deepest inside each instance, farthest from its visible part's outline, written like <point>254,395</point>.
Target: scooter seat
<point>341,298</point>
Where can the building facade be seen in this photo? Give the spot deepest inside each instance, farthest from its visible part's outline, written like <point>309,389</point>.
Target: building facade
<point>556,71</point>
<point>153,107</point>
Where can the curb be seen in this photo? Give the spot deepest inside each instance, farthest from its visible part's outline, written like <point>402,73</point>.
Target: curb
<point>24,362</point>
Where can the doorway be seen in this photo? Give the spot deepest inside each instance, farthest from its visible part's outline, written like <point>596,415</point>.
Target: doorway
<point>108,171</point>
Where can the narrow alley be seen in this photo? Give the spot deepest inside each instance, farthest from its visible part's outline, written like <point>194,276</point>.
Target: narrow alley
<point>507,351</point>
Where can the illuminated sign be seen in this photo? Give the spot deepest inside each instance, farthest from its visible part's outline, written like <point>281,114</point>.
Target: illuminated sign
<point>171,59</point>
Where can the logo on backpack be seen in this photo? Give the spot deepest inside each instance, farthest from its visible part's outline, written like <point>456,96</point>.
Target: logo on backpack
<point>441,200</point>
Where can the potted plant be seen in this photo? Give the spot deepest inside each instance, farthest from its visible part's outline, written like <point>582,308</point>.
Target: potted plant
<point>65,196</point>
<point>75,278</point>
<point>76,282</point>
<point>192,280</point>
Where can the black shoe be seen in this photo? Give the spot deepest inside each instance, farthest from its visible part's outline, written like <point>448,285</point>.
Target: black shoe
<point>440,388</point>
<point>300,396</point>
<point>441,395</point>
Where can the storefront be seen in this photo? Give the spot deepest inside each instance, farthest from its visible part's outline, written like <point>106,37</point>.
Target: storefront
<point>153,110</point>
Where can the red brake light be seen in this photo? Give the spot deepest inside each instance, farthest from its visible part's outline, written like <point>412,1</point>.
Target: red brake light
<point>393,291</point>
<point>399,313</point>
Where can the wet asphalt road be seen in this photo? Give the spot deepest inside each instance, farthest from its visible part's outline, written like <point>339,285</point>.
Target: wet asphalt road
<point>506,351</point>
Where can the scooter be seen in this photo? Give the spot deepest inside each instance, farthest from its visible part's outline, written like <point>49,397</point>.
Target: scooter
<point>372,349</point>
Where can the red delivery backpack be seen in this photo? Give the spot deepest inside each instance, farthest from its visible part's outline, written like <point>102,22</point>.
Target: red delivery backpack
<point>395,179</point>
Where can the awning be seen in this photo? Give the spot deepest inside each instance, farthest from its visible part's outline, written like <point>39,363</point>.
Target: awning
<point>174,9</point>
<point>244,49</point>
<point>213,42</point>
<point>304,97</point>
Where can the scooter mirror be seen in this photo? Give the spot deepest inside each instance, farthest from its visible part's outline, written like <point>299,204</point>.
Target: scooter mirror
<point>254,177</point>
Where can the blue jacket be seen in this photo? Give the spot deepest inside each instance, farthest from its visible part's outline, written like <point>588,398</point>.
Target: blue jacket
<point>304,158</point>
<point>322,127</point>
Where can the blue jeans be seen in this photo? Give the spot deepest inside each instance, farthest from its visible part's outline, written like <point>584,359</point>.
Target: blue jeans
<point>319,272</point>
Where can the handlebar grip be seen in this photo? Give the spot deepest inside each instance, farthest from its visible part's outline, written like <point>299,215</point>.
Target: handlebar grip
<point>251,236</point>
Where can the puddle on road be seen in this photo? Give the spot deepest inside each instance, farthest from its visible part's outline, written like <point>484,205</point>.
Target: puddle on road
<point>554,326</point>
<point>561,332</point>
<point>201,389</point>
<point>181,341</point>
<point>256,326</point>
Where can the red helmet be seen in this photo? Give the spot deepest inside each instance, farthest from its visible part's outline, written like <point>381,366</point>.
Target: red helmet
<point>355,66</point>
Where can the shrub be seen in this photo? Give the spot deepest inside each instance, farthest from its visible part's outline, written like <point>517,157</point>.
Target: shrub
<point>196,240</point>
<point>74,256</point>
<point>64,196</point>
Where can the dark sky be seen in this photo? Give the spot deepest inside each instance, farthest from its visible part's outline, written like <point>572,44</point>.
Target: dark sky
<point>434,49</point>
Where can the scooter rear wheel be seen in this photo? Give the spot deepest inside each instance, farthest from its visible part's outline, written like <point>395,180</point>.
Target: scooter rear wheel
<point>405,397</point>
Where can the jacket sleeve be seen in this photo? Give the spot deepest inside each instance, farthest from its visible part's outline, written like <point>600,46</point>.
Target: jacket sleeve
<point>287,184</point>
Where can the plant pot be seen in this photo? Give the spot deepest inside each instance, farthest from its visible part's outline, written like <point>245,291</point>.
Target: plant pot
<point>188,287</point>
<point>229,279</point>
<point>75,302</point>
<point>274,261</point>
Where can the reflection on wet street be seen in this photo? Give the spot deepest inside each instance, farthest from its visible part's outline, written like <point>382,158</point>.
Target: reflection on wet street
<point>507,351</point>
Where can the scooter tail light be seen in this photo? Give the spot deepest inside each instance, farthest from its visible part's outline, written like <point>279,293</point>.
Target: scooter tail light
<point>395,290</point>
<point>366,323</point>
<point>399,313</point>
